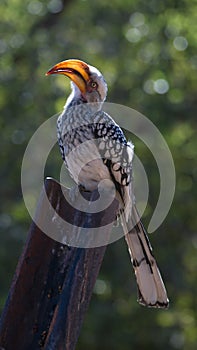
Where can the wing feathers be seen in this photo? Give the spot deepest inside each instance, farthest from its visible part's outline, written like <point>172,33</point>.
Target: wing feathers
<point>151,289</point>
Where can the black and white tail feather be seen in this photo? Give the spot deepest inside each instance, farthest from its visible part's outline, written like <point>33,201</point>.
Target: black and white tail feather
<point>151,289</point>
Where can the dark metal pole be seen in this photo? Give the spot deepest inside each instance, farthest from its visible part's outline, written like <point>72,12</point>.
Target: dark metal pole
<point>53,282</point>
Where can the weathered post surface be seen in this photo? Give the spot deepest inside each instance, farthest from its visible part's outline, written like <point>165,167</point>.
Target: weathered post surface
<point>53,282</point>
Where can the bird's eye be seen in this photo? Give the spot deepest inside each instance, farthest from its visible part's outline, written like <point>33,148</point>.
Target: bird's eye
<point>94,85</point>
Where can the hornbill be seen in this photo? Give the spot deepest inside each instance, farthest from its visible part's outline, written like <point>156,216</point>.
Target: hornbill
<point>108,157</point>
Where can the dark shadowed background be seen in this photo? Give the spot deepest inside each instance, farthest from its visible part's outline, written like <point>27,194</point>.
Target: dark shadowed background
<point>147,53</point>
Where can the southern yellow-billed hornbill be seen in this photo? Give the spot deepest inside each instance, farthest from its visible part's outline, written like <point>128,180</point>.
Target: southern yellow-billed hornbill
<point>109,156</point>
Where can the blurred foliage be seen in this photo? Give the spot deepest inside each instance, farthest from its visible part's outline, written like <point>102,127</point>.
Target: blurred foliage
<point>147,53</point>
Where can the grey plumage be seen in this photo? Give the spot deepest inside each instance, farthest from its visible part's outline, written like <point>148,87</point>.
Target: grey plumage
<point>107,146</point>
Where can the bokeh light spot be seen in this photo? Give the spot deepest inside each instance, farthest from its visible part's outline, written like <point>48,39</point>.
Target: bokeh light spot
<point>161,86</point>
<point>137,19</point>
<point>133,35</point>
<point>180,43</point>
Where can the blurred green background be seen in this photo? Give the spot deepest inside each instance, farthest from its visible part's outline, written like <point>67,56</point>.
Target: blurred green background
<point>147,53</point>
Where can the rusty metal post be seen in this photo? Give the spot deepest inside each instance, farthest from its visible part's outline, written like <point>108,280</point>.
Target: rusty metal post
<point>53,282</point>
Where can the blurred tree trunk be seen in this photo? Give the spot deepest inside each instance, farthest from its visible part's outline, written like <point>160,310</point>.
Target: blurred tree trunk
<point>53,283</point>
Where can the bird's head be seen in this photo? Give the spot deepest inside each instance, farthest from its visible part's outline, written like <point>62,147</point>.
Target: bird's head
<point>87,81</point>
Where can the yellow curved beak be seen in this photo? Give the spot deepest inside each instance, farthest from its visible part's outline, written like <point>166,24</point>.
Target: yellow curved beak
<point>76,70</point>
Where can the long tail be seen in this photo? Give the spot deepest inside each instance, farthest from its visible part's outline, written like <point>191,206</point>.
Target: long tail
<point>151,289</point>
